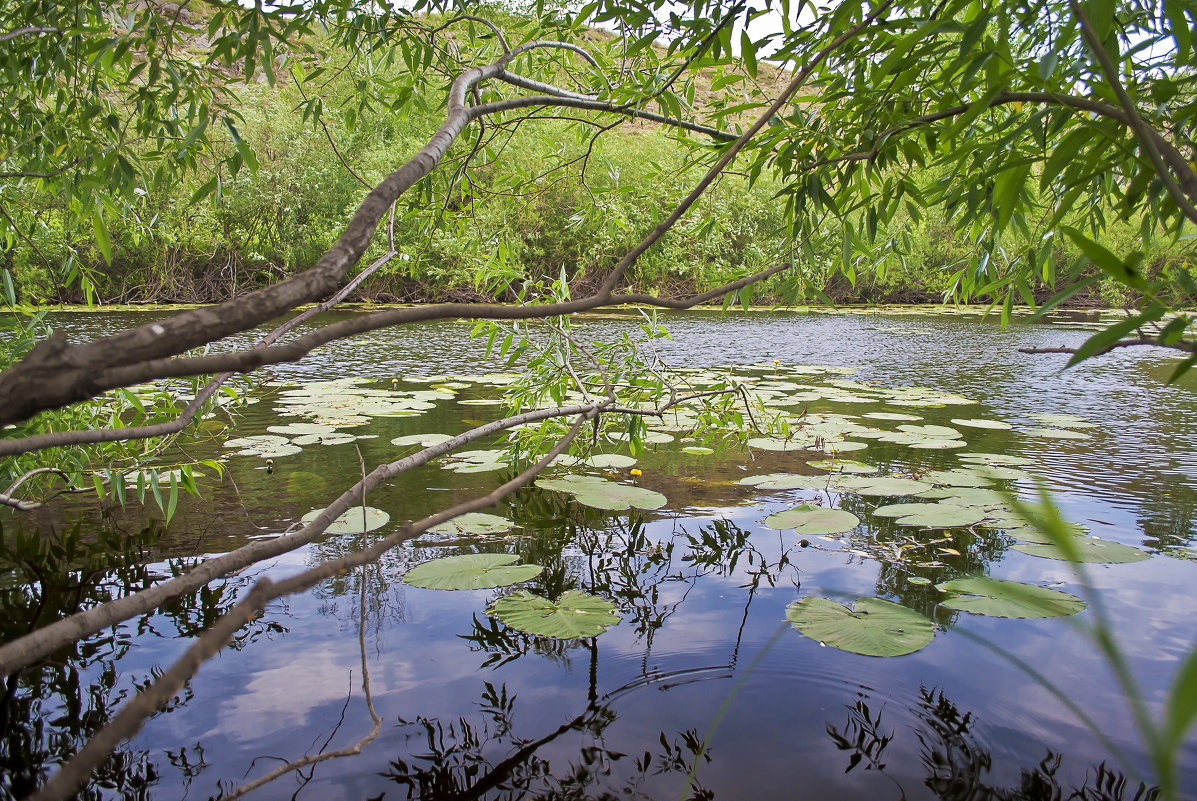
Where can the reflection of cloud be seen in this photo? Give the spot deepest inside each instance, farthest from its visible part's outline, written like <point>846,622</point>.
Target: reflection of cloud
<point>290,684</point>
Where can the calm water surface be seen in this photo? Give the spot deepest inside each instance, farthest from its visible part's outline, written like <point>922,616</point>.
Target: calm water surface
<point>471,709</point>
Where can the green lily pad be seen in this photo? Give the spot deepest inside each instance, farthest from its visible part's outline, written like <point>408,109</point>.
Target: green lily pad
<point>873,627</point>
<point>813,520</point>
<point>967,496</point>
<point>648,438</point>
<point>883,485</point>
<point>298,429</point>
<point>1055,433</point>
<point>1002,472</point>
<point>938,444</point>
<point>893,416</point>
<point>992,597</point>
<point>787,481</point>
<point>421,439</point>
<point>351,521</point>
<point>918,580</point>
<point>958,478</point>
<point>615,460</point>
<point>1005,459</point>
<point>475,571</point>
<point>618,497</point>
<point>1088,549</point>
<point>842,466</point>
<point>474,523</point>
<point>698,450</point>
<point>599,493</point>
<point>1063,420</point>
<point>777,444</point>
<point>931,432</point>
<point>334,438</point>
<point>980,422</point>
<point>575,614</point>
<point>932,515</point>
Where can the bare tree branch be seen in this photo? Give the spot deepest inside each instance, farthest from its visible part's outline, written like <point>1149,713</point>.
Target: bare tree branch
<point>29,29</point>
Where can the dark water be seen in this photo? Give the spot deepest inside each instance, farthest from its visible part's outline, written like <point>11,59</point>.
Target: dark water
<point>470,709</point>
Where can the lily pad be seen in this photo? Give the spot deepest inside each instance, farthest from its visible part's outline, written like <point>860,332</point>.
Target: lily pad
<point>334,438</point>
<point>932,515</point>
<point>938,444</point>
<point>931,431</point>
<point>475,571</point>
<point>842,466</point>
<point>884,485</point>
<point>1063,420</point>
<point>980,422</point>
<point>618,497</point>
<point>615,460</point>
<point>351,521</point>
<point>777,444</point>
<point>992,597</point>
<point>1088,549</point>
<point>1055,433</point>
<point>787,481</point>
<point>599,493</point>
<point>1006,459</point>
<point>575,614</point>
<point>958,478</point>
<point>893,416</point>
<point>297,429</point>
<point>873,627</point>
<point>421,439</point>
<point>813,520</point>
<point>698,450</point>
<point>474,523</point>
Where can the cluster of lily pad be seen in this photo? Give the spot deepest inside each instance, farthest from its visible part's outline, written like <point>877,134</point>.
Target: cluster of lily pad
<point>877,627</point>
<point>575,614</point>
<point>801,410</point>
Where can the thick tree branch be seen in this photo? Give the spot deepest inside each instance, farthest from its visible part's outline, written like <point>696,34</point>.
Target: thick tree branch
<point>86,436</point>
<point>55,373</point>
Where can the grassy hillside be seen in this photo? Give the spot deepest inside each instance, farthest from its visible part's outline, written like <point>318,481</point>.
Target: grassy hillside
<point>538,199</point>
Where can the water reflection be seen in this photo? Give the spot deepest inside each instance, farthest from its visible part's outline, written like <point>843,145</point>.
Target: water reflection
<point>49,711</point>
<point>957,766</point>
<point>484,757</point>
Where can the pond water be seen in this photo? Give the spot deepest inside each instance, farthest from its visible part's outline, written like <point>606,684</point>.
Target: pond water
<point>703,689</point>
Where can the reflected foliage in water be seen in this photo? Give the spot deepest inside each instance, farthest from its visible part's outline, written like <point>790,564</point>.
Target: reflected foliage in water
<point>957,766</point>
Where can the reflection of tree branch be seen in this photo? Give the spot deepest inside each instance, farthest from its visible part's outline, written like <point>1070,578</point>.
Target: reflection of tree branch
<point>324,756</point>
<point>26,650</point>
<point>129,720</point>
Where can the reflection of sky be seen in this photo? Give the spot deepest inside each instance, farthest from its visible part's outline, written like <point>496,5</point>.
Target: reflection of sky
<point>284,693</point>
